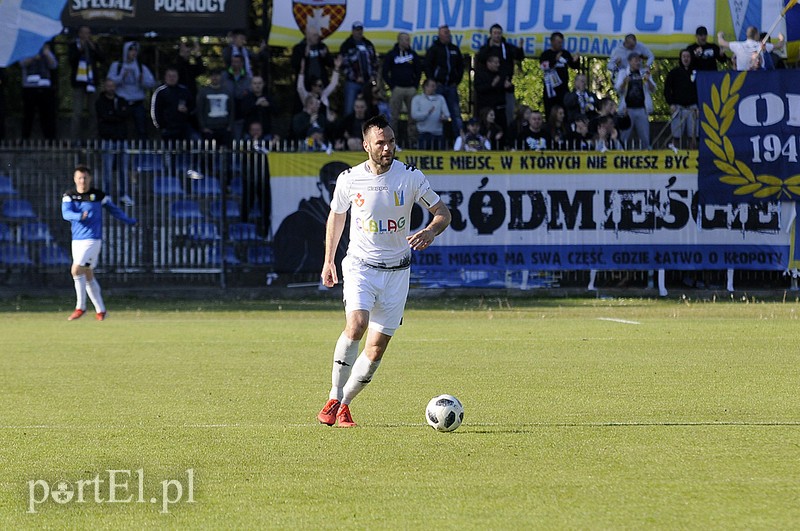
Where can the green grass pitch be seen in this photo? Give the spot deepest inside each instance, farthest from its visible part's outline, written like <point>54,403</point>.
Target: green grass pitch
<point>578,414</point>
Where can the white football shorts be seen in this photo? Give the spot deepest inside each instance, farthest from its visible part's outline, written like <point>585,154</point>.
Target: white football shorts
<point>86,252</point>
<point>382,293</point>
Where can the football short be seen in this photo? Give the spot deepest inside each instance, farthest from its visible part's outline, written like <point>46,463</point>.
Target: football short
<point>86,252</point>
<point>381,292</point>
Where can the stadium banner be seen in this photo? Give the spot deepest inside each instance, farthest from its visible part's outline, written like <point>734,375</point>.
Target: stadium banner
<point>590,27</point>
<point>519,211</point>
<point>158,17</point>
<point>749,136</point>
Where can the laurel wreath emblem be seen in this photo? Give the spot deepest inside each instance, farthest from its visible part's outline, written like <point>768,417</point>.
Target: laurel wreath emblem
<point>719,118</point>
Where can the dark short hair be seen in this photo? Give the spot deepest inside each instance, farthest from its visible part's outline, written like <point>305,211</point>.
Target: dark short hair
<point>83,168</point>
<point>701,30</point>
<point>380,121</point>
<point>495,25</point>
<point>556,34</point>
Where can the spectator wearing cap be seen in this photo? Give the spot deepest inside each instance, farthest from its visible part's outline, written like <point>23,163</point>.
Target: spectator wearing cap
<point>315,140</point>
<point>635,87</point>
<point>445,65</point>
<point>238,47</point>
<point>490,89</point>
<point>429,111</point>
<point>509,55</point>
<point>472,139</point>
<point>360,66</point>
<point>133,80</point>
<point>402,70</point>
<point>84,56</point>
<point>619,55</point>
<point>705,55</point>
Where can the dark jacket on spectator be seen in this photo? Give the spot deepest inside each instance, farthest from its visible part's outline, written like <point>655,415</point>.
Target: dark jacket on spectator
<point>91,56</point>
<point>444,63</point>
<point>112,117</point>
<point>402,68</point>
<point>172,123</point>
<point>679,87</point>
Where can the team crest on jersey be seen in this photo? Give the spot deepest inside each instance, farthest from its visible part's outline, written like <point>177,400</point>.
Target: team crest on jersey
<point>399,198</point>
<point>359,200</point>
<point>91,197</point>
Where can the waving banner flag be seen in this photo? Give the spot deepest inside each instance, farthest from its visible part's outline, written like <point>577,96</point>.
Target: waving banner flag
<point>25,25</point>
<point>749,136</point>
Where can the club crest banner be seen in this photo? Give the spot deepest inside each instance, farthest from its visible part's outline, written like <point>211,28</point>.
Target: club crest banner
<point>749,136</point>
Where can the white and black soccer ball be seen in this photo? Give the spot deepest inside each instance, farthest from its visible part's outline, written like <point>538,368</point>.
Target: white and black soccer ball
<point>444,413</point>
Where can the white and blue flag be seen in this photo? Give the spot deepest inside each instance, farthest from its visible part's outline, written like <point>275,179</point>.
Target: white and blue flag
<point>25,25</point>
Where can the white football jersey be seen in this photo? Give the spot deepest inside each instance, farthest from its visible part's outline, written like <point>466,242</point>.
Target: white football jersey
<point>381,210</point>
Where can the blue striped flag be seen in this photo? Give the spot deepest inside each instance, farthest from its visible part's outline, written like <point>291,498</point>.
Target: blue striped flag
<point>25,25</point>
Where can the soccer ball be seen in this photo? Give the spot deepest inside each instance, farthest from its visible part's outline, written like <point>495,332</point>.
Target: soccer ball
<point>444,413</point>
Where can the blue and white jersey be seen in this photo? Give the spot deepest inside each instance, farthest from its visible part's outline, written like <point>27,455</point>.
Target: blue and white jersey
<point>74,204</point>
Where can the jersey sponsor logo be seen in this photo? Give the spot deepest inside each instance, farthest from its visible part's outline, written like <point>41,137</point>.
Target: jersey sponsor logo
<point>399,198</point>
<point>377,188</point>
<point>381,226</point>
<point>359,201</point>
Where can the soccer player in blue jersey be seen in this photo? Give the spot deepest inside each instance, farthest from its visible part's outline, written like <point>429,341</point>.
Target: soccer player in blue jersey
<point>83,206</point>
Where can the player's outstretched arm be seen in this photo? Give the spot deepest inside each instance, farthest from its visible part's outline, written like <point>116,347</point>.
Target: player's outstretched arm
<point>117,212</point>
<point>424,238</point>
<point>333,233</point>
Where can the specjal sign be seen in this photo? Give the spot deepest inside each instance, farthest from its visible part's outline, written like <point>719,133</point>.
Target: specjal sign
<point>170,17</point>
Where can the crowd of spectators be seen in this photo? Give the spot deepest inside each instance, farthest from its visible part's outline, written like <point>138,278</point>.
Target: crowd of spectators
<point>336,91</point>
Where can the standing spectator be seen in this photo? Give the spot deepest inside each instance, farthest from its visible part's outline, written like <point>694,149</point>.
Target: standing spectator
<point>491,129</point>
<point>256,190</point>
<point>132,80</point>
<point>749,54</point>
<point>215,110</point>
<point>311,57</point>
<point>509,56</point>
<point>705,55</point>
<point>619,55</point>
<point>237,82</point>
<point>472,139</point>
<point>189,64</point>
<point>83,206</point>
<point>38,93</point>
<point>171,108</point>
<point>2,103</point>
<point>680,92</point>
<point>360,66</point>
<point>316,86</point>
<point>557,127</point>
<point>445,65</point>
<point>238,47</point>
<point>402,70</point>
<point>429,110</point>
<point>535,135</point>
<point>112,128</point>
<point>580,101</point>
<point>491,86</point>
<point>635,87</point>
<point>554,63</point>
<point>257,106</point>
<point>84,56</point>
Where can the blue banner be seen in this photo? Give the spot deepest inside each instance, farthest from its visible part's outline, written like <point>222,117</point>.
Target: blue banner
<point>749,136</point>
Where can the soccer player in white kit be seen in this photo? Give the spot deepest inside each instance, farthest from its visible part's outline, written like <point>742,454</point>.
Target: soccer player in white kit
<point>380,194</point>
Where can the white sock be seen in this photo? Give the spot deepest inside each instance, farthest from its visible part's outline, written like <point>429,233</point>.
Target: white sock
<point>729,276</point>
<point>93,289</point>
<point>363,371</point>
<point>344,355</point>
<point>80,291</point>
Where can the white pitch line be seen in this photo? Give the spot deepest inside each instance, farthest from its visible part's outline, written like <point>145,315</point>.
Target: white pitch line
<point>623,321</point>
